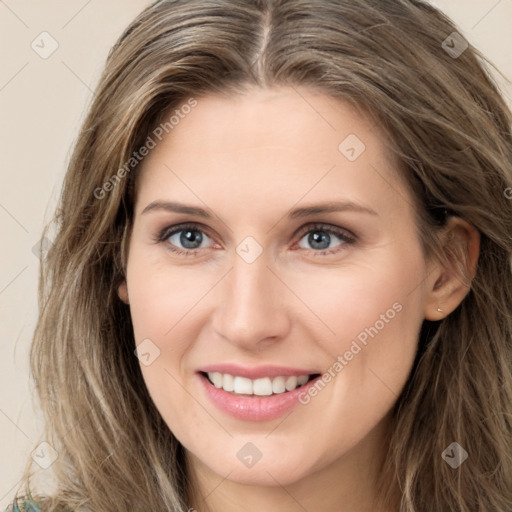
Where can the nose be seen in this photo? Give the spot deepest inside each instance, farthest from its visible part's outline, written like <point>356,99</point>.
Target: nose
<point>250,307</point>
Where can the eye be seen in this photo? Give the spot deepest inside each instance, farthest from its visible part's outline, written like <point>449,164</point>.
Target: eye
<point>187,239</point>
<point>320,237</point>
<point>188,236</point>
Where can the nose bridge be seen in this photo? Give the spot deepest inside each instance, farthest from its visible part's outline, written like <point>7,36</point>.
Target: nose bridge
<point>249,310</point>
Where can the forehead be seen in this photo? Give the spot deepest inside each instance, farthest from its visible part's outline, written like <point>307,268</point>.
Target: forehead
<point>272,146</point>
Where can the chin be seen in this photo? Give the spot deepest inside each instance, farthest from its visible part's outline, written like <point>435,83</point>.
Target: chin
<point>266,475</point>
<point>273,468</point>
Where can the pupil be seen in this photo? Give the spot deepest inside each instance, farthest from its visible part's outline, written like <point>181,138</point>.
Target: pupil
<point>314,239</point>
<point>190,237</point>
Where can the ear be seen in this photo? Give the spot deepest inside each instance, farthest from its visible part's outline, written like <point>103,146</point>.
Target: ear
<point>122,291</point>
<point>450,280</point>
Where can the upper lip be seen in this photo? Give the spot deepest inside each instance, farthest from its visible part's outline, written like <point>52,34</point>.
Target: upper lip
<point>256,372</point>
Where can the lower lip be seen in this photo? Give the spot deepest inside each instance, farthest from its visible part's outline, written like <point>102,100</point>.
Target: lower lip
<point>254,408</point>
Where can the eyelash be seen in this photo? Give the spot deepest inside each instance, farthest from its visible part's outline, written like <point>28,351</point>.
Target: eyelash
<point>343,235</point>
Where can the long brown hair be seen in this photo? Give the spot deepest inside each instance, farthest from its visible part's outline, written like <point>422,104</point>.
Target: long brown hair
<point>451,132</point>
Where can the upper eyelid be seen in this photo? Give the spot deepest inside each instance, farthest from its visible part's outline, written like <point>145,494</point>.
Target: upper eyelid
<point>325,226</point>
<point>171,230</point>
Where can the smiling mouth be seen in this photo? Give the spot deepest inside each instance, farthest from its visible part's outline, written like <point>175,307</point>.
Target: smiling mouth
<point>265,386</point>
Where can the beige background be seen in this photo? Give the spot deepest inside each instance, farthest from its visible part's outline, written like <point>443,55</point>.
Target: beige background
<point>42,102</point>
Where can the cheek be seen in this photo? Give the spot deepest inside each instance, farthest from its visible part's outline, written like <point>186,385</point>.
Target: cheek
<point>373,316</point>
<point>161,295</point>
<point>166,308</point>
<point>349,301</point>
<point>370,320</point>
<point>157,302</point>
<point>160,301</point>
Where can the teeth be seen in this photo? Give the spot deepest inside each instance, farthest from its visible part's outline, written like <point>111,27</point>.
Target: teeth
<point>302,379</point>
<point>242,386</point>
<point>259,387</point>
<point>228,383</point>
<point>217,379</point>
<point>279,385</point>
<point>291,383</point>
<point>262,387</point>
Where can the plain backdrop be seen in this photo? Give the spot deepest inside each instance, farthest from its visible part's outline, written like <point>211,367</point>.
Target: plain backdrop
<point>43,98</point>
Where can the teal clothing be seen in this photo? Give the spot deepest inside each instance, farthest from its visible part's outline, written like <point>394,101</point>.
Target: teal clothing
<point>25,506</point>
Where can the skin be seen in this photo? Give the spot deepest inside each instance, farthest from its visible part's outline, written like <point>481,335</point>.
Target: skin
<point>248,159</point>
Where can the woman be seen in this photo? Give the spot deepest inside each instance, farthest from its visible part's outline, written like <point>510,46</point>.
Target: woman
<point>281,276</point>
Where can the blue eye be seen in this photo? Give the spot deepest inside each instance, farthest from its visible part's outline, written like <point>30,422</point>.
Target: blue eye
<point>320,236</point>
<point>187,239</point>
<point>189,236</point>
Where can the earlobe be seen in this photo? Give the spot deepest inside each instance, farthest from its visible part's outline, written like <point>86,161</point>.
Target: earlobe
<point>451,280</point>
<point>122,291</point>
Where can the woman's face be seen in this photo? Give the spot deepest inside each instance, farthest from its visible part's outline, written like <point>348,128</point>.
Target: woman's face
<point>299,257</point>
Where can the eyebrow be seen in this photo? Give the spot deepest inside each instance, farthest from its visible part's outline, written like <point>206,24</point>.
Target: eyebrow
<point>329,207</point>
